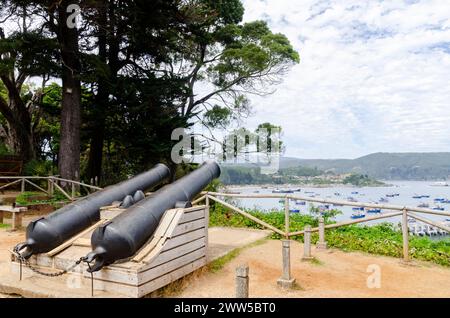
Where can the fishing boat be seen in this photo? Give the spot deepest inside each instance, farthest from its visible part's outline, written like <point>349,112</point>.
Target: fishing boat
<point>351,199</point>
<point>308,192</point>
<point>384,200</point>
<point>390,195</point>
<point>374,210</point>
<point>358,215</point>
<point>439,199</point>
<point>423,205</point>
<point>416,196</point>
<point>337,204</point>
<point>337,194</point>
<point>439,184</point>
<point>358,208</point>
<point>256,191</point>
<point>438,208</point>
<point>294,210</point>
<point>300,202</point>
<point>446,201</point>
<point>355,192</point>
<point>297,190</point>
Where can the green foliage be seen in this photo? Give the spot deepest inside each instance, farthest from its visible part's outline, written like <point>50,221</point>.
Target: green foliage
<point>28,198</point>
<point>360,180</point>
<point>380,239</point>
<point>38,168</point>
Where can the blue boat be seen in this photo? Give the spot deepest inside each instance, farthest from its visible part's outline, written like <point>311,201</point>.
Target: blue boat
<point>355,192</point>
<point>374,210</point>
<point>446,201</point>
<point>417,197</point>
<point>438,208</point>
<point>294,210</point>
<point>358,208</point>
<point>439,199</point>
<point>358,215</point>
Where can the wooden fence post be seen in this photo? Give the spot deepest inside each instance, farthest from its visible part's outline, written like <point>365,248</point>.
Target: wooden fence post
<point>405,235</point>
<point>307,244</point>
<point>286,218</point>
<point>242,281</point>
<point>286,281</point>
<point>22,188</point>
<point>50,188</point>
<point>321,244</point>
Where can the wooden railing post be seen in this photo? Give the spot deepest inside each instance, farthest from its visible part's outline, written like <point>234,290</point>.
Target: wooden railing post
<point>73,191</point>
<point>242,281</point>
<point>405,235</point>
<point>50,188</point>
<point>307,244</point>
<point>321,244</point>
<point>286,281</point>
<point>22,188</point>
<point>286,217</point>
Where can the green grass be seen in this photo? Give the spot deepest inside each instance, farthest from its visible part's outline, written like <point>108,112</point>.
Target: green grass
<point>25,198</point>
<point>380,239</point>
<point>4,226</point>
<point>220,263</point>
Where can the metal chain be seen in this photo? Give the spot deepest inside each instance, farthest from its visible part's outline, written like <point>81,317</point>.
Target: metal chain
<point>22,260</point>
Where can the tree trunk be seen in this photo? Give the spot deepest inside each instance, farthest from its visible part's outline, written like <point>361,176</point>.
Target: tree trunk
<point>69,152</point>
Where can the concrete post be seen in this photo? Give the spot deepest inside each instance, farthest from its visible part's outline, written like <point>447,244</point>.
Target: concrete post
<point>17,220</point>
<point>286,217</point>
<point>405,235</point>
<point>285,281</point>
<point>321,244</point>
<point>242,281</point>
<point>307,244</point>
<point>22,188</point>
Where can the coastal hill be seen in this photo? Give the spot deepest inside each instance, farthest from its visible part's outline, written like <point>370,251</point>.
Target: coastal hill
<point>386,166</point>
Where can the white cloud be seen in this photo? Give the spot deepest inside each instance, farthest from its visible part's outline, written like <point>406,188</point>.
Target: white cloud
<point>374,76</point>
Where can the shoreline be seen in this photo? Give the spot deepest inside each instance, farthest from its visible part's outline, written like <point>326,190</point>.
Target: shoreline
<point>317,186</point>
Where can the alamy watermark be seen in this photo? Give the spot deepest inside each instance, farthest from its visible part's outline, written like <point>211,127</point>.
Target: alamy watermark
<point>262,149</point>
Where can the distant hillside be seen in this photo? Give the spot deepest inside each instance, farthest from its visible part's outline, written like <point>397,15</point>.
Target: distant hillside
<point>387,166</point>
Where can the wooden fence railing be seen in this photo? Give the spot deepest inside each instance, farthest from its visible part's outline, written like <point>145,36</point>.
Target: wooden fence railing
<point>397,210</point>
<point>52,182</point>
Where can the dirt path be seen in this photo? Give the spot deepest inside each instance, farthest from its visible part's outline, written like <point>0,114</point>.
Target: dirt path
<point>337,274</point>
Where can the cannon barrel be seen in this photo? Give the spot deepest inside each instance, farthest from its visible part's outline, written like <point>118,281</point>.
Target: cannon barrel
<point>125,234</point>
<point>45,234</point>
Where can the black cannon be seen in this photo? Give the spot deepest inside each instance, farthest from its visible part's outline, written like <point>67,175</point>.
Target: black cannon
<point>124,235</point>
<point>45,234</point>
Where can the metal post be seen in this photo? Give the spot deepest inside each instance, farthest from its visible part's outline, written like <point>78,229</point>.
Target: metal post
<point>307,244</point>
<point>242,281</point>
<point>286,281</point>
<point>286,217</point>
<point>405,235</point>
<point>321,244</point>
<point>22,188</point>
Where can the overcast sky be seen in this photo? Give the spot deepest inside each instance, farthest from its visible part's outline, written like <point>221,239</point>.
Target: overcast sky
<point>374,76</point>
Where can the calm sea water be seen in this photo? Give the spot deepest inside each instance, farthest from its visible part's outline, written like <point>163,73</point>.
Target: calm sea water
<point>405,189</point>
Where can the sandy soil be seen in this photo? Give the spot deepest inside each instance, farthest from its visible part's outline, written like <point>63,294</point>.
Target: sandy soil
<point>337,274</point>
